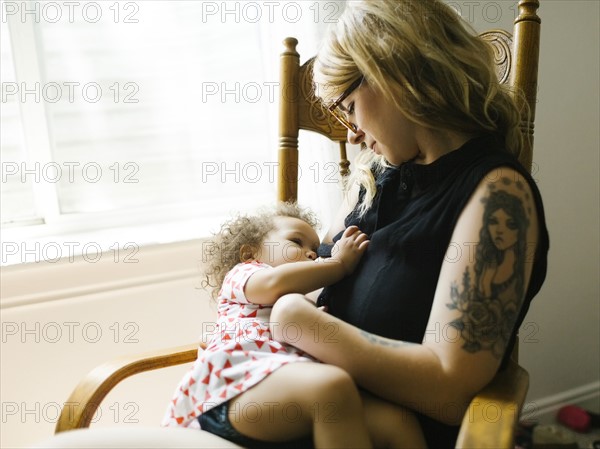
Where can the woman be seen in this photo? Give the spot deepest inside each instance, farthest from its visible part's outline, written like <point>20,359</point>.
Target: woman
<point>420,323</point>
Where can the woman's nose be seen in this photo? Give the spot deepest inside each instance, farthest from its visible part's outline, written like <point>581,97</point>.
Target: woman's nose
<point>311,255</point>
<point>356,138</point>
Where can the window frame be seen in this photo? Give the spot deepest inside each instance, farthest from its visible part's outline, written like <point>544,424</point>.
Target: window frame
<point>145,225</point>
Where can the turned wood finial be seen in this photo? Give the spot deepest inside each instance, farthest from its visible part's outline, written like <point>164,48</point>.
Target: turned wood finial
<point>528,11</point>
<point>290,44</point>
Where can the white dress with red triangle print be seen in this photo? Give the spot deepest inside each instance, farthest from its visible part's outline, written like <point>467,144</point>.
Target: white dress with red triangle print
<point>240,353</point>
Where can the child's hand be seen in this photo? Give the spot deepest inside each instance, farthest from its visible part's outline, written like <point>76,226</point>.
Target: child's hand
<point>350,248</point>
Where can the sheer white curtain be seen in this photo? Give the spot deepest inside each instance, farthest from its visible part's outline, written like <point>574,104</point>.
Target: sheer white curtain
<point>319,181</point>
<point>132,114</point>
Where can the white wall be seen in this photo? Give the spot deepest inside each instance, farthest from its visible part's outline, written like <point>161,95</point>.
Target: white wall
<point>61,320</point>
<point>567,358</point>
<point>560,337</point>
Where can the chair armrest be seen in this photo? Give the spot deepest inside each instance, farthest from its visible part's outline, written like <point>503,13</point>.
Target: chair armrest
<point>492,416</point>
<point>91,391</point>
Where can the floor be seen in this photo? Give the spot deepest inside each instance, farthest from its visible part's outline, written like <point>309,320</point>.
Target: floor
<point>555,436</point>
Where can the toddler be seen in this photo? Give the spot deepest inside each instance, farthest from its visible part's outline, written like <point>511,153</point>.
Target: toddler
<point>247,387</point>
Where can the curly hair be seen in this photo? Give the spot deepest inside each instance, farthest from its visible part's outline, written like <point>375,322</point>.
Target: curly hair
<point>228,247</point>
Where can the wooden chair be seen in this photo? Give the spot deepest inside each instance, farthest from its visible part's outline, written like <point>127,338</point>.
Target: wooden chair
<point>493,413</point>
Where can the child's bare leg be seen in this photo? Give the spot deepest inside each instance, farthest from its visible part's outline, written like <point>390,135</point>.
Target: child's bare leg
<point>299,399</point>
<point>391,426</point>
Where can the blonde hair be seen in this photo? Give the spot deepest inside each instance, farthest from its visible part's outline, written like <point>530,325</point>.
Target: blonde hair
<point>240,237</point>
<point>431,63</point>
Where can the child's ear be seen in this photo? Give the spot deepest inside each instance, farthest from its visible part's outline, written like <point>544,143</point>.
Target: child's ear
<point>246,253</point>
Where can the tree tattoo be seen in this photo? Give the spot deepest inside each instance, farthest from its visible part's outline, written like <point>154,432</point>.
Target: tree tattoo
<point>489,302</point>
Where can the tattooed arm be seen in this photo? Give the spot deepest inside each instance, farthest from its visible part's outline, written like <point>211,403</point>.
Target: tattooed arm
<point>475,308</point>
<point>478,298</point>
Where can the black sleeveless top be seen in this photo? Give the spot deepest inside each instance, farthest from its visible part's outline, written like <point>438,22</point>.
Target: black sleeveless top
<point>410,225</point>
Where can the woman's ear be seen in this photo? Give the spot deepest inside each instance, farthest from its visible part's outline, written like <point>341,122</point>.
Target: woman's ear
<point>246,253</point>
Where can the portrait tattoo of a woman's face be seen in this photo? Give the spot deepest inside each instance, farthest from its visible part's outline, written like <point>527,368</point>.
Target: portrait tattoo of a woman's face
<point>490,296</point>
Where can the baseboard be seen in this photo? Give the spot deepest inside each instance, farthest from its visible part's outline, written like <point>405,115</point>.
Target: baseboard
<point>543,410</point>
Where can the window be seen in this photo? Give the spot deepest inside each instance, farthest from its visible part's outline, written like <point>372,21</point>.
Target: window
<point>17,196</point>
<point>123,114</point>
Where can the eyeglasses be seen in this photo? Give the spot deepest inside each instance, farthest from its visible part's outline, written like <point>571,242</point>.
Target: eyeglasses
<point>334,108</point>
